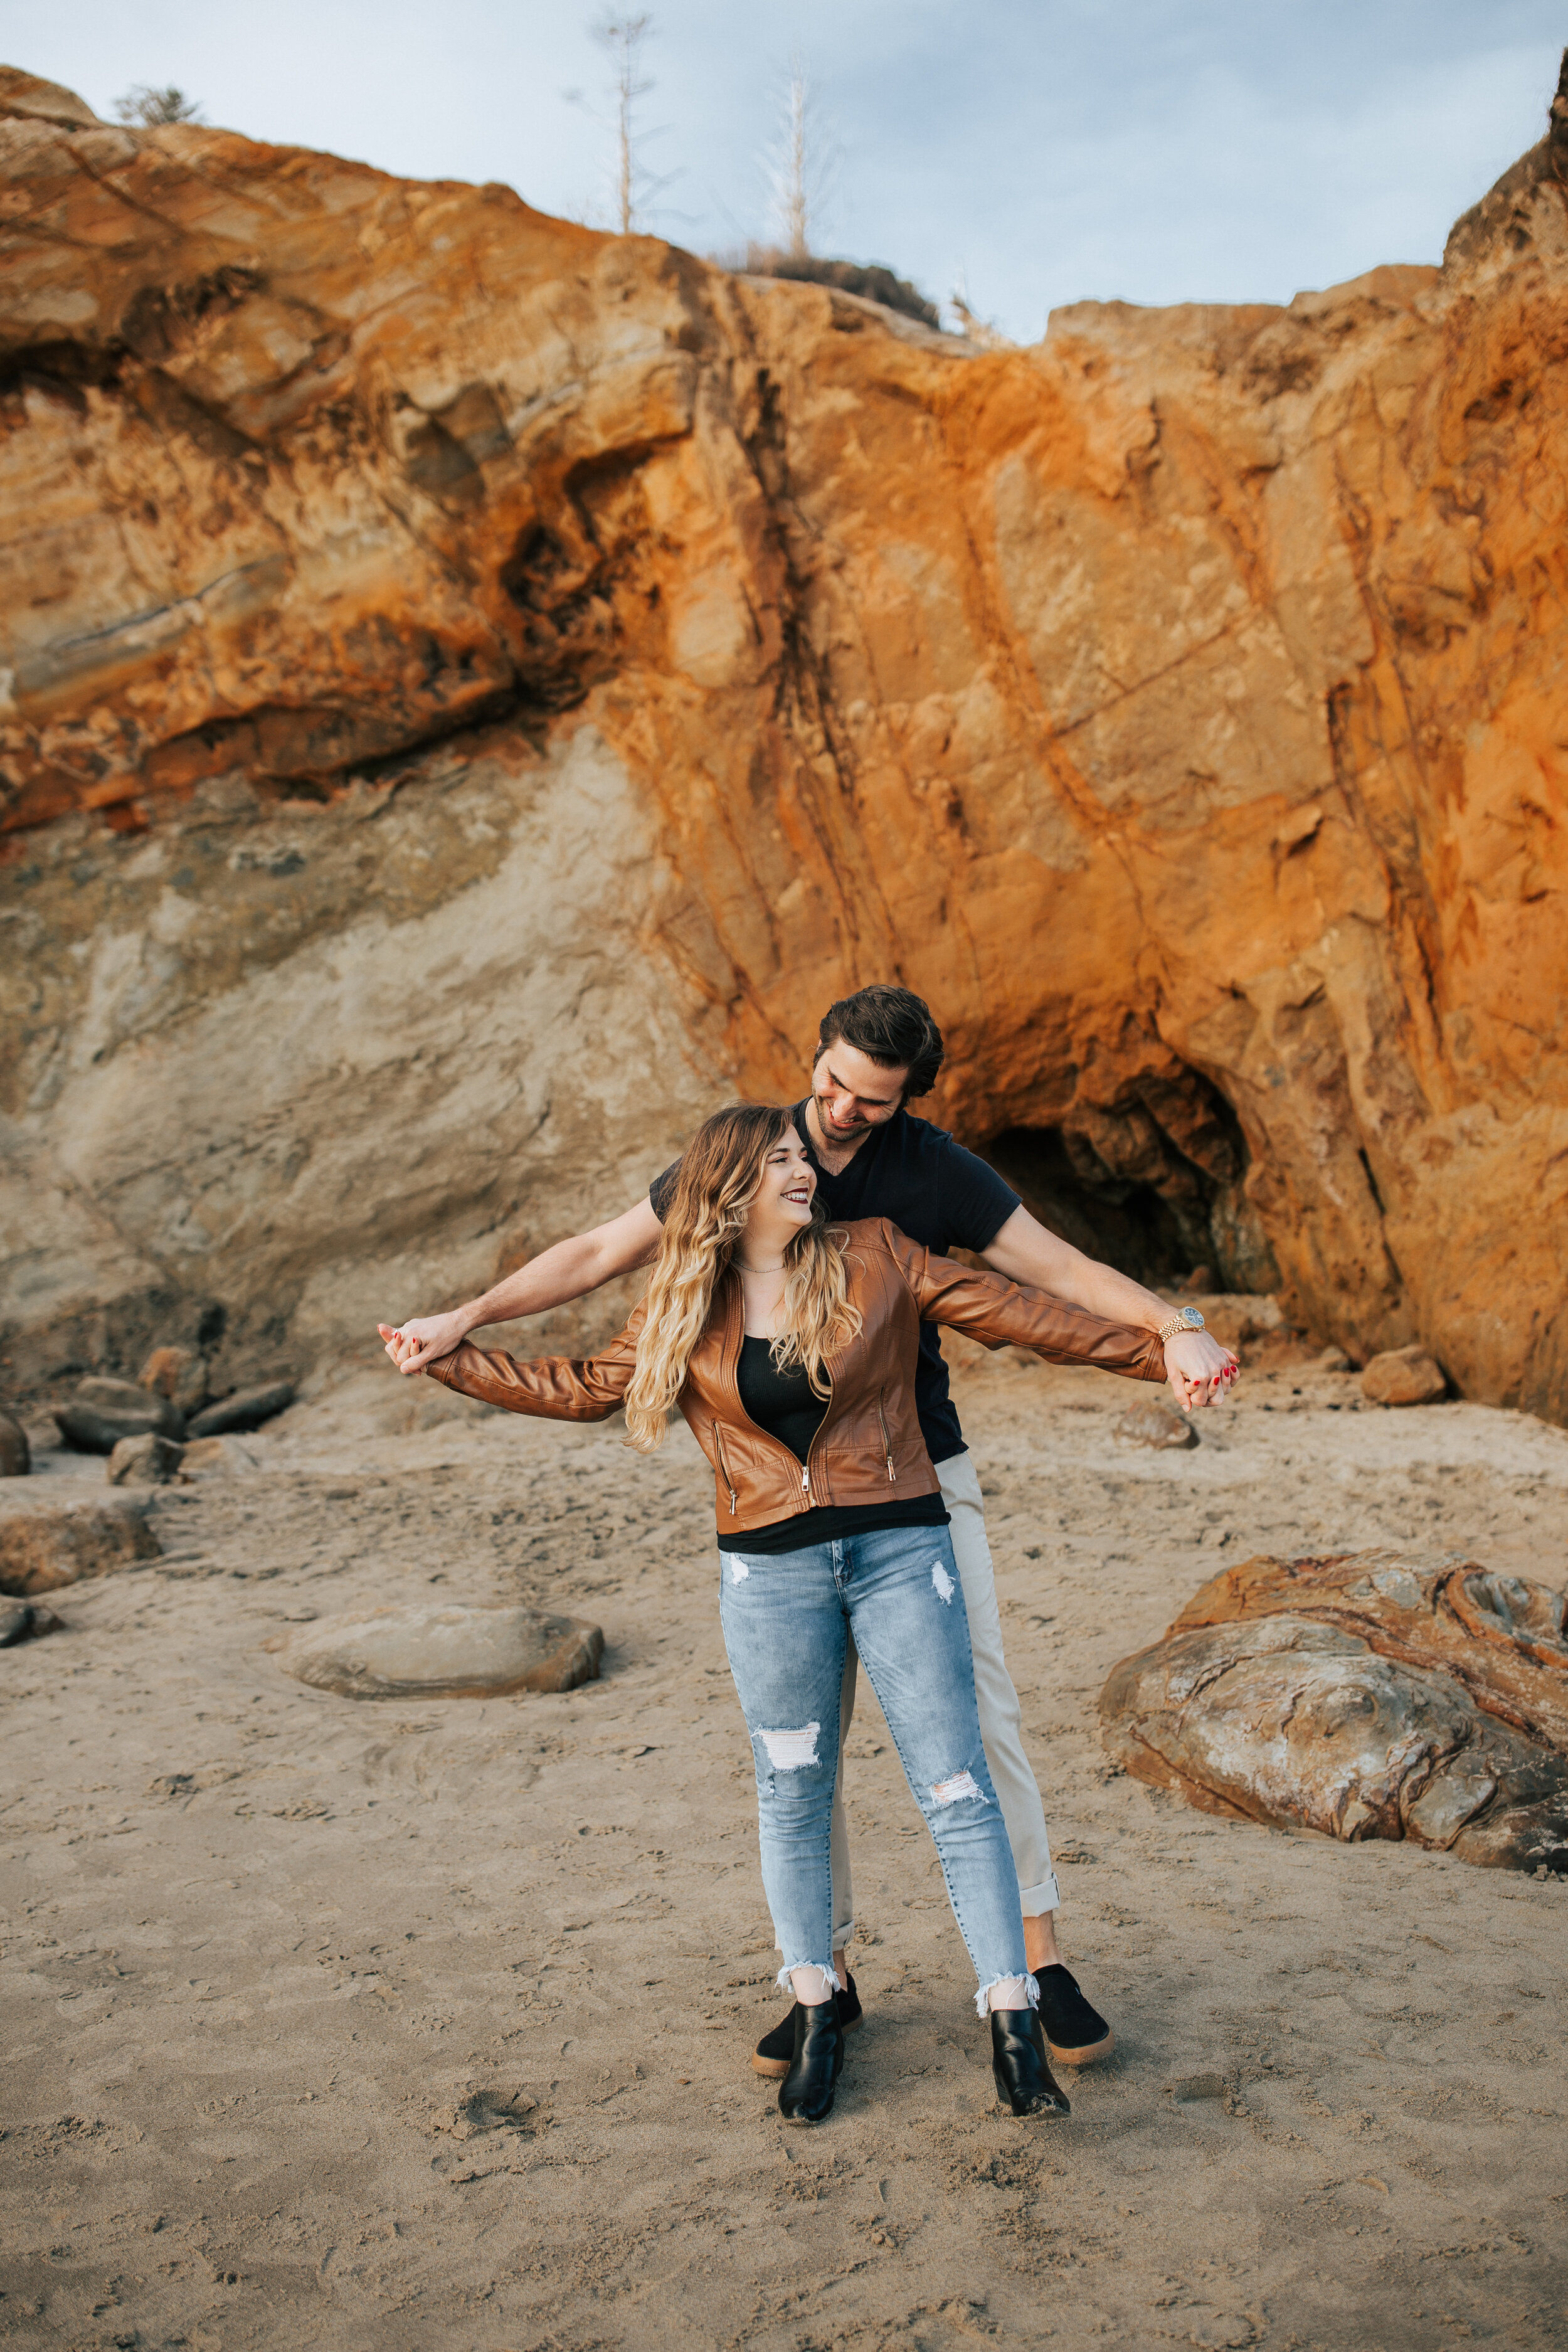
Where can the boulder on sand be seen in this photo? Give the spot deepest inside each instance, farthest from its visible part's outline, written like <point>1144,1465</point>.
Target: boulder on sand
<point>25,1621</point>
<point>247,1409</point>
<point>1155,1421</point>
<point>150,1461</point>
<point>442,1649</point>
<point>1404,1376</point>
<point>178,1374</point>
<point>102,1411</point>
<point>1365,1695</point>
<point>16,1455</point>
<point>63,1542</point>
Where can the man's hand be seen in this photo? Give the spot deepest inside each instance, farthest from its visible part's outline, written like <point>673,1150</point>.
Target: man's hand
<point>423,1340</point>
<point>569,1270</point>
<point>1199,1369</point>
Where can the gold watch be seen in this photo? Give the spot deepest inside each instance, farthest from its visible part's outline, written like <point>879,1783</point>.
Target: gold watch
<point>1185,1318</point>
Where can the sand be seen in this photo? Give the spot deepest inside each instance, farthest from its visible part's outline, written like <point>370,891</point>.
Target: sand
<point>361,2024</point>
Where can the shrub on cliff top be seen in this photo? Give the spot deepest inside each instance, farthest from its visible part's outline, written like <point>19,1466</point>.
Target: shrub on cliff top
<point>871,280</point>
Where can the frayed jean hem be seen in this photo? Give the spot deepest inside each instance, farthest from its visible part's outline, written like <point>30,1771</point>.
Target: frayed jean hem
<point>829,1971</point>
<point>982,1997</point>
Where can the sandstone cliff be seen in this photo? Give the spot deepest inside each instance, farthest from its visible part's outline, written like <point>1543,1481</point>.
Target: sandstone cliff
<point>475,687</point>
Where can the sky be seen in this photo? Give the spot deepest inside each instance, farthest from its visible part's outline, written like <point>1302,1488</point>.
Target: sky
<point>1036,153</point>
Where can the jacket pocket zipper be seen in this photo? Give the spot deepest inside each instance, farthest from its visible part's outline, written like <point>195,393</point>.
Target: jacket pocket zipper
<point>886,1441</point>
<point>724,1467</point>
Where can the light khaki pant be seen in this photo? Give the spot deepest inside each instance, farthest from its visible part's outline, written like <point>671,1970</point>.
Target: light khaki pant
<point>1001,1729</point>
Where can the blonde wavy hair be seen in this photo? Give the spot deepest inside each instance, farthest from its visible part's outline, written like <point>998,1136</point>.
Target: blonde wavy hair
<point>718,1177</point>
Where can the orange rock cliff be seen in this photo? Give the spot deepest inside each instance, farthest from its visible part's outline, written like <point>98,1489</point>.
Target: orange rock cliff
<point>475,689</point>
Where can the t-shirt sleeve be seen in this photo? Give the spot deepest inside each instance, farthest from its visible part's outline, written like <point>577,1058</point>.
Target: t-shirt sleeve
<point>661,1191</point>
<point>975,1203</point>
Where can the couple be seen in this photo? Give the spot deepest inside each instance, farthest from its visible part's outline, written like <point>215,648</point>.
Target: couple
<point>805,1356</point>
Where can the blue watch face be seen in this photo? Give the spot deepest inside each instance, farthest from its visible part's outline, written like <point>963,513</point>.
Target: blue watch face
<point>1192,1320</point>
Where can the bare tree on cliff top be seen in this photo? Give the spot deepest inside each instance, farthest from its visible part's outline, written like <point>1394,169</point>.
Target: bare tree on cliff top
<point>624,36</point>
<point>800,162</point>
<point>152,107</point>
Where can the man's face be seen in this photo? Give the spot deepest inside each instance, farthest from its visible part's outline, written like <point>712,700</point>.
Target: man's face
<point>854,1093</point>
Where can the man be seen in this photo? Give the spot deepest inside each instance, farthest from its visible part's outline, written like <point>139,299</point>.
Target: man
<point>878,1051</point>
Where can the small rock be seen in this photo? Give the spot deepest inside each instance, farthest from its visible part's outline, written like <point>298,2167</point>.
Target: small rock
<point>16,1455</point>
<point>1158,1423</point>
<point>1404,1376</point>
<point>441,1650</point>
<point>1333,1360</point>
<point>247,1409</point>
<point>102,1411</point>
<point>61,1543</point>
<point>178,1374</point>
<point>150,1461</point>
<point>215,1457</point>
<point>25,1621</point>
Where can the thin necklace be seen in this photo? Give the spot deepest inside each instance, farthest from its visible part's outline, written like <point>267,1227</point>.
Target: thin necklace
<point>758,1269</point>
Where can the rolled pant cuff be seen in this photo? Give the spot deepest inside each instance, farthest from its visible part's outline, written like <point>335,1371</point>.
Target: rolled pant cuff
<point>843,1937</point>
<point>1046,1897</point>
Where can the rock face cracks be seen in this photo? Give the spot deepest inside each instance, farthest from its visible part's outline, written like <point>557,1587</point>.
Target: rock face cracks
<point>1371,1695</point>
<point>476,688</point>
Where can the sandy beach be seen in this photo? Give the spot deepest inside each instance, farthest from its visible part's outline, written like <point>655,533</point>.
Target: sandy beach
<point>383,2026</point>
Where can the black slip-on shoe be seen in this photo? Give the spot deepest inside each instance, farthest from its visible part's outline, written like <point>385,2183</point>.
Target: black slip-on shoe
<point>1019,2066</point>
<point>1075,2032</point>
<point>806,2094</point>
<point>774,2052</point>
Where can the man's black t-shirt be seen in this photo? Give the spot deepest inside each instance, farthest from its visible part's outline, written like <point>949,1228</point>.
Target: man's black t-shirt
<point>916,1176</point>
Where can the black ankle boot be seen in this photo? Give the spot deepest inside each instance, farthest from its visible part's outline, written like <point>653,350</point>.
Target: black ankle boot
<point>1019,2064</point>
<point>806,2094</point>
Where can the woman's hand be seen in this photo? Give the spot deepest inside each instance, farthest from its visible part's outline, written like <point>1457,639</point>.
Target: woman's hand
<point>423,1339</point>
<point>1199,1369</point>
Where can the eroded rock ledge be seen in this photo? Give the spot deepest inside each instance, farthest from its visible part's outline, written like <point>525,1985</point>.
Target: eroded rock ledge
<point>477,687</point>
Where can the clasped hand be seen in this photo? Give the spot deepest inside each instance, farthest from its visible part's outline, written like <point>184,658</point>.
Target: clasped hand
<point>1199,1369</point>
<point>423,1339</point>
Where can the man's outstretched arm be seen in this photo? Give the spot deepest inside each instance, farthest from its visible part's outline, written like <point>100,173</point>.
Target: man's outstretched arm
<point>1197,1366</point>
<point>569,1270</point>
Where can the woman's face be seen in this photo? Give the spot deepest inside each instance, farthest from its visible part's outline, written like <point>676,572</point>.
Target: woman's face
<point>782,1202</point>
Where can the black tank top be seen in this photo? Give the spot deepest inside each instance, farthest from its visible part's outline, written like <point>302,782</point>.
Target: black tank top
<point>783,1404</point>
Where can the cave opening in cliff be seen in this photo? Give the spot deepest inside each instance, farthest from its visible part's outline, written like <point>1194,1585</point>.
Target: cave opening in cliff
<point>1154,1184</point>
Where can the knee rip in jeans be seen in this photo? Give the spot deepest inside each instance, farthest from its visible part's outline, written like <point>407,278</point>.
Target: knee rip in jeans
<point>943,1582</point>
<point>790,1751</point>
<point>954,1791</point>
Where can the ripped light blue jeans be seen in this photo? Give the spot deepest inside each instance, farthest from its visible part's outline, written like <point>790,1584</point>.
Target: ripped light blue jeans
<point>786,1618</point>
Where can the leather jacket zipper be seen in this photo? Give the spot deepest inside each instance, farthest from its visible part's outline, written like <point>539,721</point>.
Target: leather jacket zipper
<point>886,1441</point>
<point>724,1467</point>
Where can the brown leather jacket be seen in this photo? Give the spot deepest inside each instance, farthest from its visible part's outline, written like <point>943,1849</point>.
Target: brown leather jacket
<point>869,1446</point>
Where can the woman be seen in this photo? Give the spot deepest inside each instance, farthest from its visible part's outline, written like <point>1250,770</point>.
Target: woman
<point>790,1348</point>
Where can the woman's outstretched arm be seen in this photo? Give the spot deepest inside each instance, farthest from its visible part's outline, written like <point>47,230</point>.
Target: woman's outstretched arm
<point>1002,1314</point>
<point>552,1388</point>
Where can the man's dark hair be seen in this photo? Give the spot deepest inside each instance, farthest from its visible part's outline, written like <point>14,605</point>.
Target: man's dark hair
<point>891,1027</point>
